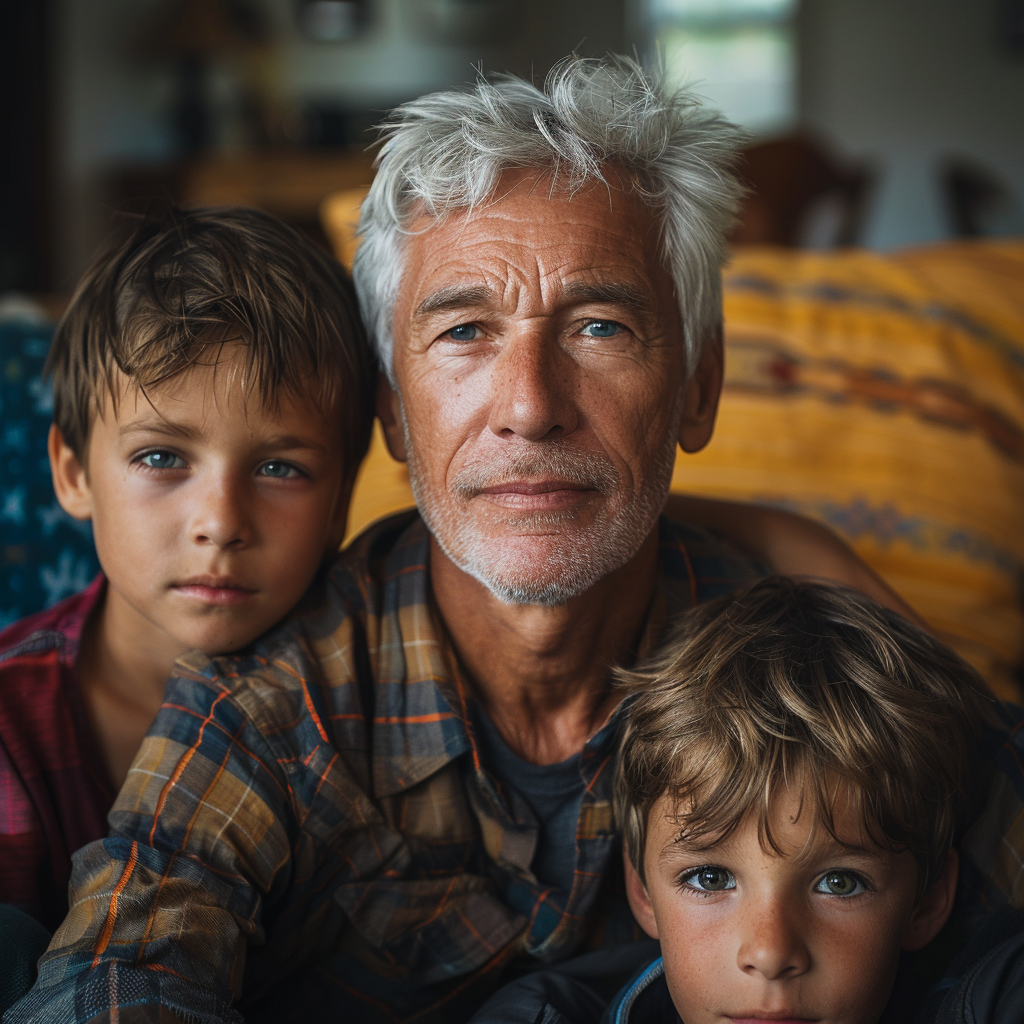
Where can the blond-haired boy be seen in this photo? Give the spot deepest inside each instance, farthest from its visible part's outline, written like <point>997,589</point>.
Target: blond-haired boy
<point>795,768</point>
<point>793,774</point>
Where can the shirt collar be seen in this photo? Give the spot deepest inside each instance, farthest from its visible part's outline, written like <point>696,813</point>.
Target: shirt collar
<point>422,714</point>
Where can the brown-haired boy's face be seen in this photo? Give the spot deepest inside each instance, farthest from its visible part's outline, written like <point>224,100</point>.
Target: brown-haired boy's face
<point>211,512</point>
<point>813,934</point>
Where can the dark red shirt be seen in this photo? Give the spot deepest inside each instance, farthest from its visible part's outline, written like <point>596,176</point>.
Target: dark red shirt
<point>54,791</point>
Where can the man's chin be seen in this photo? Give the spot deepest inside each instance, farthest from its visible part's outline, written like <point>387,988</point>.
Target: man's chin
<point>548,569</point>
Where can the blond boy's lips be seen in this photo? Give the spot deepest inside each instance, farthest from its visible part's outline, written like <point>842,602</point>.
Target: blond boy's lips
<point>785,1017</point>
<point>214,589</point>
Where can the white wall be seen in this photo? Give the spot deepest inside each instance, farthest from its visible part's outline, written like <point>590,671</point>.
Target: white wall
<point>905,83</point>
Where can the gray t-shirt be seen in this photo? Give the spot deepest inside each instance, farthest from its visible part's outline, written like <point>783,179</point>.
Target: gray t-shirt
<point>554,792</point>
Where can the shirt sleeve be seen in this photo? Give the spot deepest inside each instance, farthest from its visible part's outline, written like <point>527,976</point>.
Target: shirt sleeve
<point>204,838</point>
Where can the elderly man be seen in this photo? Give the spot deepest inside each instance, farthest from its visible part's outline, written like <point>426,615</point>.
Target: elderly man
<point>404,792</point>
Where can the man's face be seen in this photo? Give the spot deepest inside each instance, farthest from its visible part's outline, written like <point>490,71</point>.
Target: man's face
<point>813,934</point>
<point>539,362</point>
<point>211,512</point>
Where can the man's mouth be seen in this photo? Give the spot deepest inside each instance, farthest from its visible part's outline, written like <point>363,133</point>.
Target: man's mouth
<point>537,495</point>
<point>223,590</point>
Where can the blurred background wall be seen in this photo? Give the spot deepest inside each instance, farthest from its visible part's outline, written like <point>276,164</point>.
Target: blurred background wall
<point>909,103</point>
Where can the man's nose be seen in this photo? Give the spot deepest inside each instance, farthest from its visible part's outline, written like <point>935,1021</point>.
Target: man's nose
<point>772,944</point>
<point>221,513</point>
<point>533,387</point>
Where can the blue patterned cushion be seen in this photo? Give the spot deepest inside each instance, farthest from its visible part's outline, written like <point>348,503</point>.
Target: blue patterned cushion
<point>45,555</point>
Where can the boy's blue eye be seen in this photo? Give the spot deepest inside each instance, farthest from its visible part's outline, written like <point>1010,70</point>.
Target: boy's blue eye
<point>162,460</point>
<point>840,883</point>
<point>602,329</point>
<point>278,470</point>
<point>709,879</point>
<point>464,332</point>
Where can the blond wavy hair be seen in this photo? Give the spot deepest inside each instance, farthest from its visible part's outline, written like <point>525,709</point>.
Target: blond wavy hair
<point>797,680</point>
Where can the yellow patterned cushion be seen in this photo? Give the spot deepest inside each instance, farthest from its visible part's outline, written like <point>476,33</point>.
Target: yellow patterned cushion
<point>883,395</point>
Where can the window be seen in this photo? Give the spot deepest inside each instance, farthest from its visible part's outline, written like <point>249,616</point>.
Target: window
<point>739,54</point>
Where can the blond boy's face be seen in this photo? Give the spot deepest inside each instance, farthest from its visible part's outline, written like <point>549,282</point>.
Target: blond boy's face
<point>812,935</point>
<point>211,512</point>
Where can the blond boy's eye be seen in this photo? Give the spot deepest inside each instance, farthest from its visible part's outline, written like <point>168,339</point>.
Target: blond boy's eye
<point>709,878</point>
<point>162,460</point>
<point>840,883</point>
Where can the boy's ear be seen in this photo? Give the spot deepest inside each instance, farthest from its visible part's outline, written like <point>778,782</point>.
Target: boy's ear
<point>389,412</point>
<point>639,901</point>
<point>70,481</point>
<point>933,908</point>
<point>701,394</point>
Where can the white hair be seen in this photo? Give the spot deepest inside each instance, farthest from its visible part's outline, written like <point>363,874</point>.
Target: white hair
<point>445,151</point>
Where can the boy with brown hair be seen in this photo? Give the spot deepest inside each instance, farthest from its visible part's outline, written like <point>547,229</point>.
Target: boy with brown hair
<point>213,398</point>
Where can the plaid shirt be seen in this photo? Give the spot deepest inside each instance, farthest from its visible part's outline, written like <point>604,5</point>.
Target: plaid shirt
<point>312,824</point>
<point>54,791</point>
<point>317,811</point>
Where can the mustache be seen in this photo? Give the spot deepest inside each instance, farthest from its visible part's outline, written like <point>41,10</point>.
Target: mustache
<point>558,459</point>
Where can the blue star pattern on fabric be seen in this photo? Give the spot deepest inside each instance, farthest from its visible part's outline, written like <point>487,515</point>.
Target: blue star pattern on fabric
<point>45,555</point>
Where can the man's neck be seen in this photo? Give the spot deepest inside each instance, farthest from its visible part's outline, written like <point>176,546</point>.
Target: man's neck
<point>542,674</point>
<point>123,665</point>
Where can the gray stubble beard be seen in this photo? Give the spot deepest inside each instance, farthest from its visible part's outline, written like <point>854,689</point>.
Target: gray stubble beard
<point>582,558</point>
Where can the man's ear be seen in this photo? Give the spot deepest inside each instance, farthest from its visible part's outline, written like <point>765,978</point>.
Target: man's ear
<point>389,412</point>
<point>933,908</point>
<point>70,481</point>
<point>701,394</point>
<point>639,901</point>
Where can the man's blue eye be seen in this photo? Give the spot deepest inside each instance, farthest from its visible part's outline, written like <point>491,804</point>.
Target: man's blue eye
<point>464,332</point>
<point>709,879</point>
<point>278,470</point>
<point>602,329</point>
<point>162,460</point>
<point>840,883</point>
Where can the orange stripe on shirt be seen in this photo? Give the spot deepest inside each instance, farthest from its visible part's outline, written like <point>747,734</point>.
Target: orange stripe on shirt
<point>108,925</point>
<point>182,765</point>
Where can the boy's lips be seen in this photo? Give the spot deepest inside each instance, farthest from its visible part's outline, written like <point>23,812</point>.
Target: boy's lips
<point>214,589</point>
<point>759,1017</point>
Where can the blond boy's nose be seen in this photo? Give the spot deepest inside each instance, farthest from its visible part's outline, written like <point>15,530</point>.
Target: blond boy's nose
<point>772,946</point>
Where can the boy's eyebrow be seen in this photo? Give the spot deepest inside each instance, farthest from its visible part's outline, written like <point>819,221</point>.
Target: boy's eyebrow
<point>159,426</point>
<point>288,442</point>
<point>292,441</point>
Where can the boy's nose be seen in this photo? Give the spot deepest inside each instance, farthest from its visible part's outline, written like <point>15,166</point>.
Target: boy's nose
<point>772,944</point>
<point>220,517</point>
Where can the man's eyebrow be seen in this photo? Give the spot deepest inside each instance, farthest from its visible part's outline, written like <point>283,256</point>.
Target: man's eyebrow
<point>452,298</point>
<point>613,293</point>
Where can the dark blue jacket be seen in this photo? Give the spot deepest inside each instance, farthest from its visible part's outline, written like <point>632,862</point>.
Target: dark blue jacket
<point>984,984</point>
